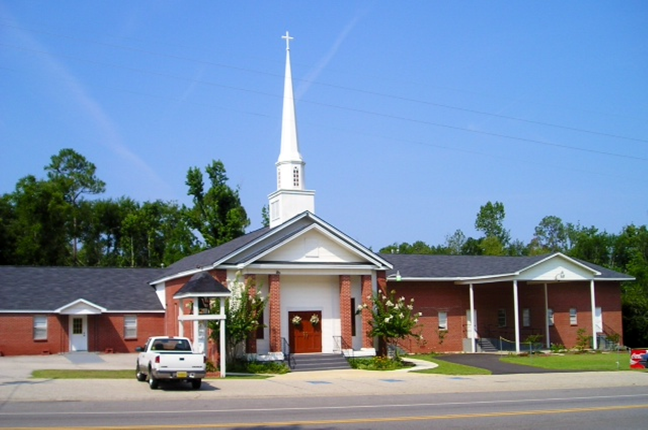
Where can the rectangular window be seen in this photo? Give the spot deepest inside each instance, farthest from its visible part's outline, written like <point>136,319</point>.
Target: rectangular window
<point>526,317</point>
<point>353,316</point>
<point>573,316</point>
<point>40,327</point>
<point>501,317</point>
<point>550,317</point>
<point>598,320</point>
<point>443,320</point>
<point>130,327</point>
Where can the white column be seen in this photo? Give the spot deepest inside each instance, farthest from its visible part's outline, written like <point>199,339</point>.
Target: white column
<point>222,343</point>
<point>593,299</point>
<point>516,316</point>
<point>180,322</point>
<point>195,325</point>
<point>546,300</point>
<point>471,335</point>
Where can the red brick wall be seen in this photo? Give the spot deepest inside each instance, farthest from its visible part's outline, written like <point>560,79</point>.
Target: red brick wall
<point>367,293</point>
<point>17,335</point>
<point>274,306</point>
<point>345,306</point>
<point>430,299</point>
<point>105,332</point>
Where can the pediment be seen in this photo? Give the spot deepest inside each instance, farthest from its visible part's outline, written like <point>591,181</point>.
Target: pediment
<point>314,246</point>
<point>81,307</point>
<point>558,268</point>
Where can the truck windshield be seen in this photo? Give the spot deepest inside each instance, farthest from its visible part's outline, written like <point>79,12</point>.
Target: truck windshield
<point>171,345</point>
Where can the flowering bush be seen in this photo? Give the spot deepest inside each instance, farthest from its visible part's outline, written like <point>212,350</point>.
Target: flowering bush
<point>392,319</point>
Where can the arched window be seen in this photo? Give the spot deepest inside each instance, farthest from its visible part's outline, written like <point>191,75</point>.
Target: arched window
<point>296,177</point>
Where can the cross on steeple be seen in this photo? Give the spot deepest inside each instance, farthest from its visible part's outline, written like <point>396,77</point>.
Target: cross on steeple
<point>288,39</point>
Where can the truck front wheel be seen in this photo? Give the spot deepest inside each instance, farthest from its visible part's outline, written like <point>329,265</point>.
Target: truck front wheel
<point>139,375</point>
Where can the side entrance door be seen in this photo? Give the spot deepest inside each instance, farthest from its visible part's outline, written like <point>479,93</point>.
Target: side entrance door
<point>305,331</point>
<point>78,333</point>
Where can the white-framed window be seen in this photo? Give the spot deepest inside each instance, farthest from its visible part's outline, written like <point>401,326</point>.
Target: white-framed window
<point>550,317</point>
<point>130,326</point>
<point>40,327</point>
<point>501,317</point>
<point>526,317</point>
<point>443,320</point>
<point>598,319</point>
<point>573,316</point>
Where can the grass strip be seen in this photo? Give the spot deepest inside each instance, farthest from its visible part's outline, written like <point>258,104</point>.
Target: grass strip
<point>574,362</point>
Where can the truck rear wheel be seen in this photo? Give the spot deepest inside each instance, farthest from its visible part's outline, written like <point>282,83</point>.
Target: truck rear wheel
<point>153,383</point>
<point>195,384</point>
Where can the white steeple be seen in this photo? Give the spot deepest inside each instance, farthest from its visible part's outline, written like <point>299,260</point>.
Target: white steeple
<point>291,197</point>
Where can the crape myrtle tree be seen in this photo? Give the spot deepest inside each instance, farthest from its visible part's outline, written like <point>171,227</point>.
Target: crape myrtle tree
<point>243,310</point>
<point>391,319</point>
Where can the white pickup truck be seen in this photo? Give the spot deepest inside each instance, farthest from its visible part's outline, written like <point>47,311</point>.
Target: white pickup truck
<point>170,358</point>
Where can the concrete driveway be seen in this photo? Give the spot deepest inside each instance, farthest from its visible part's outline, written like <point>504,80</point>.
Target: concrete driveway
<point>491,362</point>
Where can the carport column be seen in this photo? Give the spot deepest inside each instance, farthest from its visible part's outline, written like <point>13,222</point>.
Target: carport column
<point>223,349</point>
<point>593,299</point>
<point>275,312</point>
<point>516,316</point>
<point>546,298</point>
<point>471,334</point>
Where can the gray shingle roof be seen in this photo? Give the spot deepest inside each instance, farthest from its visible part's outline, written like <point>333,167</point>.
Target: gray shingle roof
<point>202,283</point>
<point>468,266</point>
<point>210,256</point>
<point>50,288</point>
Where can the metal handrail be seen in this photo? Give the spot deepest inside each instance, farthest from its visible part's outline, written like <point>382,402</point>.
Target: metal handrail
<point>288,357</point>
<point>342,345</point>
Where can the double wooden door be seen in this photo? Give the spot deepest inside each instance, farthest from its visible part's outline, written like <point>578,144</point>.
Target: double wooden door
<point>305,331</point>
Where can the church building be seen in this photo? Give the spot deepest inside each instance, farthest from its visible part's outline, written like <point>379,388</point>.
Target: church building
<point>315,277</point>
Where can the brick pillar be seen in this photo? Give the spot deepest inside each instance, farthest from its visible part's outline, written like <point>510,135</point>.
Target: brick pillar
<point>251,343</point>
<point>345,311</point>
<point>382,281</point>
<point>275,312</point>
<point>367,293</point>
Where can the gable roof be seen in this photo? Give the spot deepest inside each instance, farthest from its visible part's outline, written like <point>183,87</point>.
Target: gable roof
<point>246,249</point>
<point>202,285</point>
<point>53,289</point>
<point>463,267</point>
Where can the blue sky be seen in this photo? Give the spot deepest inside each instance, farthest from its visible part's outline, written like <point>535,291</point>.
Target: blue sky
<point>411,114</point>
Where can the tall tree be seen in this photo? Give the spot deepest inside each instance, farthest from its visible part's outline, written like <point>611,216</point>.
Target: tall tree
<point>7,236</point>
<point>455,242</point>
<point>217,213</point>
<point>551,234</point>
<point>490,221</point>
<point>75,176</point>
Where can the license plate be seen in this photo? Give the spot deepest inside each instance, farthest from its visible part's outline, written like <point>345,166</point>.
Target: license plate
<point>181,374</point>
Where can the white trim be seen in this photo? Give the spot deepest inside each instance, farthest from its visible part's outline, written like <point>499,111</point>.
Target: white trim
<point>516,316</point>
<point>51,311</point>
<point>92,307</point>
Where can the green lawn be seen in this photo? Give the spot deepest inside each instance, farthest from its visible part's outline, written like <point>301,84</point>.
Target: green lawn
<point>83,374</point>
<point>446,368</point>
<point>574,362</point>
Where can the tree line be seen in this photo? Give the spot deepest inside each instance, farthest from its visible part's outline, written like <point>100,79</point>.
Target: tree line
<point>52,221</point>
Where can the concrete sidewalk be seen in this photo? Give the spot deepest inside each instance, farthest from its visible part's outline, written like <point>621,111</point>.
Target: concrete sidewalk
<point>17,386</point>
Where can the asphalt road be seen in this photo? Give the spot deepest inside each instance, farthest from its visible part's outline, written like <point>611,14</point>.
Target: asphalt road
<point>574,409</point>
<point>491,362</point>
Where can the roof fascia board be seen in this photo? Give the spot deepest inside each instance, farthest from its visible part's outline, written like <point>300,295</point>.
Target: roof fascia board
<point>50,311</point>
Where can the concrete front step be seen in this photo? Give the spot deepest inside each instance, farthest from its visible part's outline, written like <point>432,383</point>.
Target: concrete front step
<point>313,362</point>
